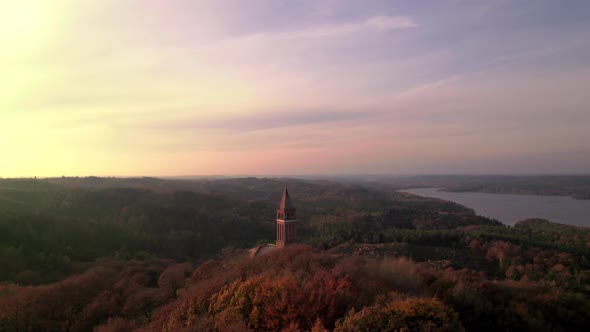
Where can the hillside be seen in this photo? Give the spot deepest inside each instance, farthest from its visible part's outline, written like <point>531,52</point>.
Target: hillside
<point>167,255</point>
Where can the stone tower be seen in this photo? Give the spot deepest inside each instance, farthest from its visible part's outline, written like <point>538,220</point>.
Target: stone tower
<point>286,221</point>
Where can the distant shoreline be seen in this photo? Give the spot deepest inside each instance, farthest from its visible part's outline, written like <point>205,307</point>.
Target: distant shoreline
<point>514,191</point>
<point>510,208</point>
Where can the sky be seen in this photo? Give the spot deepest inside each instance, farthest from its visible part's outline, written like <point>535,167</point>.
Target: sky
<point>274,87</point>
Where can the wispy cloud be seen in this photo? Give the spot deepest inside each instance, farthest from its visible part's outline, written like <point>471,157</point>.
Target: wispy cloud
<point>371,24</point>
<point>256,121</point>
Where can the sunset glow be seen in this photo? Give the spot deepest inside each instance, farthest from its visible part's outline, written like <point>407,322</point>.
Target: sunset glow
<point>155,88</point>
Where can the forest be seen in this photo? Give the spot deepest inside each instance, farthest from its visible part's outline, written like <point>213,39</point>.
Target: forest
<point>147,254</point>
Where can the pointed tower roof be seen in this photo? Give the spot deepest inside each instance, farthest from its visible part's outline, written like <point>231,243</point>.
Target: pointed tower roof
<point>286,201</point>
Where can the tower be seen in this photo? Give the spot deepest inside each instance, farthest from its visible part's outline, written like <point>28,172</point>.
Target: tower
<point>285,221</point>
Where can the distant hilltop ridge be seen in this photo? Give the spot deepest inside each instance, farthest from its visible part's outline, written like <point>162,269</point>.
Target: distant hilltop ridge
<point>575,186</point>
<point>539,222</point>
<point>535,221</point>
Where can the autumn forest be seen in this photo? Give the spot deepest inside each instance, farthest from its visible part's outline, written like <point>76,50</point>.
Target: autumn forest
<point>147,254</point>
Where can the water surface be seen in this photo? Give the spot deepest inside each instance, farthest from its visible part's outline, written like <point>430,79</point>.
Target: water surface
<point>509,208</point>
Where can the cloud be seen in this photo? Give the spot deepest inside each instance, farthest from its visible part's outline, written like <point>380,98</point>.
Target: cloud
<point>372,24</point>
<point>390,22</point>
<point>267,120</point>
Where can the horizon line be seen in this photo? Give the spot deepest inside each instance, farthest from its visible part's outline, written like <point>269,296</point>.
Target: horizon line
<point>337,175</point>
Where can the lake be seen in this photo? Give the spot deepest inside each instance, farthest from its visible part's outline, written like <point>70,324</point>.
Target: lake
<point>509,208</point>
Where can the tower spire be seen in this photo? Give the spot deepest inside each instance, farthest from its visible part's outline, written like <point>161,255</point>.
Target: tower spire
<point>285,221</point>
<point>286,200</point>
